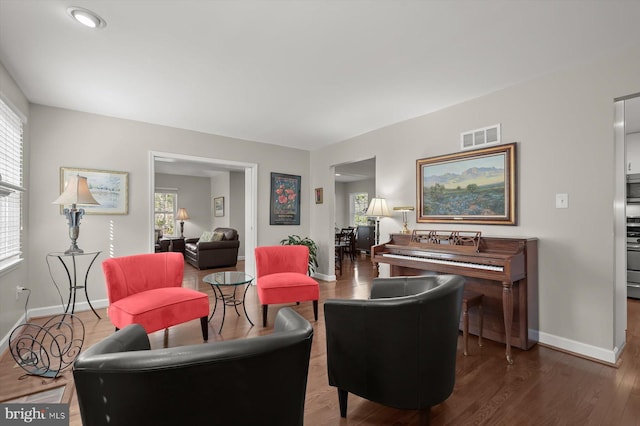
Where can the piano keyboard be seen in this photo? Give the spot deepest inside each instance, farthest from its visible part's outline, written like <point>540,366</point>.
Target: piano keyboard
<point>446,262</point>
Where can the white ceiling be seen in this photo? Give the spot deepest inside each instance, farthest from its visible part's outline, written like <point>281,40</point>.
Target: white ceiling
<point>297,73</point>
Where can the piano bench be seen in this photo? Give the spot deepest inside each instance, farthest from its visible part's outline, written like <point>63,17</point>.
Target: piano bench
<point>469,300</point>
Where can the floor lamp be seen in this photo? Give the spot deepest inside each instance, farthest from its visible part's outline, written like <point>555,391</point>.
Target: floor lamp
<point>378,209</point>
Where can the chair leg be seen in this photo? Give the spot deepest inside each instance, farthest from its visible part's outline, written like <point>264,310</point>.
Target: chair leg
<point>264,315</point>
<point>425,416</point>
<point>315,309</point>
<point>465,326</point>
<point>205,328</point>
<point>342,401</point>
<point>480,315</point>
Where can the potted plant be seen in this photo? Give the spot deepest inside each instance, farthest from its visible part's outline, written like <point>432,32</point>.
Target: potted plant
<point>295,240</point>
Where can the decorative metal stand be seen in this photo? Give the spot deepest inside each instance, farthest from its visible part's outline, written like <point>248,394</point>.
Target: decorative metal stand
<point>46,350</point>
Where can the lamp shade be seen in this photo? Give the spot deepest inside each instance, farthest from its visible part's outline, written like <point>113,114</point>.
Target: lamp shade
<point>182,214</point>
<point>378,208</point>
<point>76,192</point>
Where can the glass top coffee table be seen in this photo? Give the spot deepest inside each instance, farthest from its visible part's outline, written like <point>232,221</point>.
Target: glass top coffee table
<point>217,280</point>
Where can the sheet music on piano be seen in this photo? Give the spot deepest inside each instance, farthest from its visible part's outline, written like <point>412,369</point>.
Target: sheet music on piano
<point>464,240</point>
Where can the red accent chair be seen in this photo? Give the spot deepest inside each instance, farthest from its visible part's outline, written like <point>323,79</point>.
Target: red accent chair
<point>146,289</point>
<point>282,277</point>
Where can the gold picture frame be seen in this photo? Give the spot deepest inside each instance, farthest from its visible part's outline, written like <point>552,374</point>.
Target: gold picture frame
<point>476,186</point>
<point>110,188</point>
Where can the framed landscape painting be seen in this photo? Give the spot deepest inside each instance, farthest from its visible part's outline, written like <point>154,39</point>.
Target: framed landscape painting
<point>108,187</point>
<point>285,199</point>
<point>468,187</point>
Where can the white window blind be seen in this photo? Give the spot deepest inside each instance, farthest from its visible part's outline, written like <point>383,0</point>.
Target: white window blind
<point>11,165</point>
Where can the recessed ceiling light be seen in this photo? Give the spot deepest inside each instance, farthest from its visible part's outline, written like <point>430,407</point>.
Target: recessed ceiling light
<point>86,17</point>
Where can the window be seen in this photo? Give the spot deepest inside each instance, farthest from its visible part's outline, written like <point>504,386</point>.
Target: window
<point>165,202</point>
<point>11,165</point>
<point>358,204</point>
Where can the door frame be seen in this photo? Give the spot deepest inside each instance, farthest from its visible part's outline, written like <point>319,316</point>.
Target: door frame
<point>250,194</point>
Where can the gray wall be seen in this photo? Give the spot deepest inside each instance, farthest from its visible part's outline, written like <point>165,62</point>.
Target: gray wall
<point>563,124</point>
<point>194,195</point>
<point>342,191</point>
<point>74,139</point>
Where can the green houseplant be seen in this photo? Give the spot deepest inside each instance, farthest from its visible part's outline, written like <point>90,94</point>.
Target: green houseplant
<point>295,240</point>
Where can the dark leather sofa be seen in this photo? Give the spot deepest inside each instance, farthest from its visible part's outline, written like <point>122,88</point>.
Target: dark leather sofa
<point>213,254</point>
<point>255,381</point>
<point>397,348</point>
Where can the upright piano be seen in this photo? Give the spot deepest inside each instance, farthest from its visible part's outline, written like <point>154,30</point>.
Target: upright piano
<point>504,270</point>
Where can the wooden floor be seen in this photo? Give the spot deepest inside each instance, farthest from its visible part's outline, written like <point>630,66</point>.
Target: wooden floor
<point>542,387</point>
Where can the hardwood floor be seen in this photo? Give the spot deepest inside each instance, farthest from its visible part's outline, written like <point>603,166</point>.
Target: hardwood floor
<point>542,387</point>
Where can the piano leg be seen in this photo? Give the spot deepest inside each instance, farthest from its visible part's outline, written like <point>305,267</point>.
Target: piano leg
<point>507,309</point>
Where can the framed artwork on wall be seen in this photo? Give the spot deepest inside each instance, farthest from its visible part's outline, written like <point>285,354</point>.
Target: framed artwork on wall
<point>285,199</point>
<point>319,196</point>
<point>476,186</point>
<point>218,207</point>
<point>109,188</point>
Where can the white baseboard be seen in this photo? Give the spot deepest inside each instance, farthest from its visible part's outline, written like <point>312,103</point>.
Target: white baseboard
<point>609,356</point>
<point>4,343</point>
<point>324,277</point>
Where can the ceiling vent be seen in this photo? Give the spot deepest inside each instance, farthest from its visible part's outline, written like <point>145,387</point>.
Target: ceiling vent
<point>480,137</point>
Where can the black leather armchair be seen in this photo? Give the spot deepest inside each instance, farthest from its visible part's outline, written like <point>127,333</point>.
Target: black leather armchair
<point>213,254</point>
<point>260,380</point>
<point>162,244</point>
<point>397,348</point>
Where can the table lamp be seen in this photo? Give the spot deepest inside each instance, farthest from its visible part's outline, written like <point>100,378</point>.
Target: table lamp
<point>75,193</point>
<point>378,209</point>
<point>182,216</point>
<point>404,210</point>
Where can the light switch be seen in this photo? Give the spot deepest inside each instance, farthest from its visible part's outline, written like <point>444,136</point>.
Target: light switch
<point>562,201</point>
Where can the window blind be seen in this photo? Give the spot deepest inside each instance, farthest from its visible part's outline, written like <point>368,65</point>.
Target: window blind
<point>11,170</point>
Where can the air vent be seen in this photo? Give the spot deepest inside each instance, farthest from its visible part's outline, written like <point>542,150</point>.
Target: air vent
<point>480,137</point>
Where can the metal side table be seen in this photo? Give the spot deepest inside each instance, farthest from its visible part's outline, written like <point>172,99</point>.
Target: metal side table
<point>232,279</point>
<point>72,269</point>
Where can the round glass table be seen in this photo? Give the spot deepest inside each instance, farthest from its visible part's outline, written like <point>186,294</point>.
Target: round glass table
<point>234,279</point>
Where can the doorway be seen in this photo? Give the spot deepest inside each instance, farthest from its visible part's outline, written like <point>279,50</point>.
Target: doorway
<point>627,132</point>
<point>352,182</point>
<point>164,160</point>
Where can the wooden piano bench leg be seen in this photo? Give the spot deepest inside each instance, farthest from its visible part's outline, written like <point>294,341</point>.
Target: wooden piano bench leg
<point>469,300</point>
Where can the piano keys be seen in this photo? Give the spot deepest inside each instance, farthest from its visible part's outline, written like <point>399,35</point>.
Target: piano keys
<point>504,269</point>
